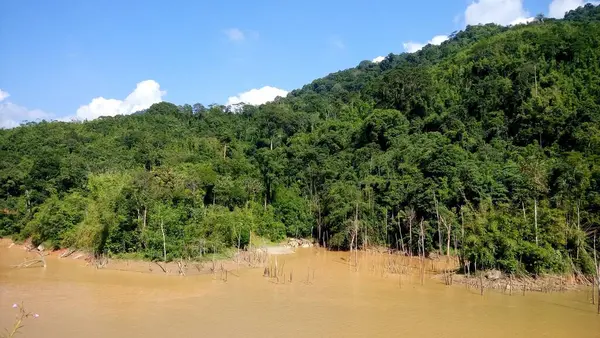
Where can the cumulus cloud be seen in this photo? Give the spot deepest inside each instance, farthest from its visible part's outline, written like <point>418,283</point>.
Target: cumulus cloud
<point>502,12</point>
<point>412,46</point>
<point>3,95</point>
<point>558,8</point>
<point>11,115</point>
<point>378,59</point>
<point>235,34</point>
<point>522,21</point>
<point>438,39</point>
<point>257,96</point>
<point>145,94</point>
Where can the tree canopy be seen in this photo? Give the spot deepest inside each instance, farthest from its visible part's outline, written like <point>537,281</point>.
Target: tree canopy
<point>491,139</point>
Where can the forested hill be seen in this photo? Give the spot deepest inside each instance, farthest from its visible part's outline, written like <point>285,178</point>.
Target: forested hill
<point>491,141</point>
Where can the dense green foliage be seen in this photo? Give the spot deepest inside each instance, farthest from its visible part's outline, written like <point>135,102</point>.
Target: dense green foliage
<point>491,140</point>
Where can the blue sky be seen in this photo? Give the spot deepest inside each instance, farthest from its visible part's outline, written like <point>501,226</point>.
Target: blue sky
<point>60,55</point>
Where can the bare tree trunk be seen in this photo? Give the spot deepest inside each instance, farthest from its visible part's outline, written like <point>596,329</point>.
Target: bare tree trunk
<point>597,277</point>
<point>419,253</point>
<point>462,230</point>
<point>535,220</point>
<point>437,214</point>
<point>351,246</point>
<point>162,229</point>
<point>578,228</point>
<point>524,215</point>
<point>145,217</point>
<point>238,251</point>
<point>385,232</point>
<point>31,262</point>
<point>401,237</point>
<point>456,248</point>
<point>410,219</point>
<point>319,235</point>
<point>481,282</point>
<point>319,226</point>
<point>356,234</point>
<point>448,231</point>
<point>422,240</point>
<point>597,273</point>
<point>440,250</point>
<point>448,243</point>
<point>224,151</point>
<point>578,217</point>
<point>594,289</point>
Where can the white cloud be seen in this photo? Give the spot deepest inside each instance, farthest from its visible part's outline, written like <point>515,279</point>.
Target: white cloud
<point>145,94</point>
<point>412,46</point>
<point>235,34</point>
<point>11,115</point>
<point>257,96</point>
<point>521,21</point>
<point>3,95</point>
<point>378,59</point>
<point>438,39</point>
<point>558,8</point>
<point>502,12</point>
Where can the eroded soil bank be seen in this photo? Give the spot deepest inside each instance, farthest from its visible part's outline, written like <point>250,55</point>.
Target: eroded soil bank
<point>254,258</point>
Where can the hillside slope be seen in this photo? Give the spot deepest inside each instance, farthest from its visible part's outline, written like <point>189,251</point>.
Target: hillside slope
<point>490,142</point>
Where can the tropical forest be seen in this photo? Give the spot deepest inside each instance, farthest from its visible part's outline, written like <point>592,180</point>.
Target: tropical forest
<point>485,147</point>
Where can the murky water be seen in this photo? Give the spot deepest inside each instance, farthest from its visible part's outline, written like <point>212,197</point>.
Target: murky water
<point>325,299</point>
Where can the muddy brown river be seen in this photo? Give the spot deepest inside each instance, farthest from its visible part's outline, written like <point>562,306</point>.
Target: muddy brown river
<point>326,298</point>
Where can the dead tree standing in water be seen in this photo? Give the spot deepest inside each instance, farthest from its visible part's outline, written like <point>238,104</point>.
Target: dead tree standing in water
<point>41,260</point>
<point>422,253</point>
<point>400,231</point>
<point>597,277</point>
<point>411,217</point>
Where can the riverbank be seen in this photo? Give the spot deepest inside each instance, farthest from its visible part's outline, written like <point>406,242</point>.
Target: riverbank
<point>253,258</point>
<point>376,260</point>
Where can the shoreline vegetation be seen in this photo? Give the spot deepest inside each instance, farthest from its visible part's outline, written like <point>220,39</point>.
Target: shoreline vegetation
<point>483,150</point>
